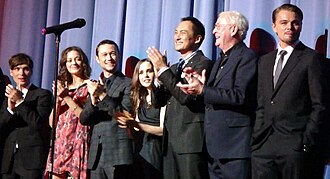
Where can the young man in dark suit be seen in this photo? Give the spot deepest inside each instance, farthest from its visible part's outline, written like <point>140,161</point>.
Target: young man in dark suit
<point>291,105</point>
<point>110,154</point>
<point>24,123</point>
<point>229,97</point>
<point>184,121</point>
<point>2,97</point>
<point>2,87</point>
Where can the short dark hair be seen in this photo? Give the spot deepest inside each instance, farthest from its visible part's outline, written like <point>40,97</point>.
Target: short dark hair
<point>198,27</point>
<point>106,41</point>
<point>288,7</point>
<point>19,59</point>
<point>64,74</point>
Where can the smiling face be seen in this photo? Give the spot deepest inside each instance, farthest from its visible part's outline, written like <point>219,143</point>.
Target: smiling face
<point>74,63</point>
<point>107,57</point>
<point>287,26</point>
<point>146,74</point>
<point>185,40</point>
<point>222,32</point>
<point>21,75</point>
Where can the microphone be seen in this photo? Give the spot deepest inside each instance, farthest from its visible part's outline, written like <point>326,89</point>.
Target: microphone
<point>58,29</point>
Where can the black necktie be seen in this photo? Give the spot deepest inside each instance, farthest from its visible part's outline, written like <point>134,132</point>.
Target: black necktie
<point>278,69</point>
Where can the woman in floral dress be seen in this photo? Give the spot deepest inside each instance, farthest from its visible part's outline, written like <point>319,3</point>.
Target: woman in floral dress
<point>71,142</point>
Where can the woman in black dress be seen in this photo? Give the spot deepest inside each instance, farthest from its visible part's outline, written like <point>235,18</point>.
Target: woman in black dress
<point>146,117</point>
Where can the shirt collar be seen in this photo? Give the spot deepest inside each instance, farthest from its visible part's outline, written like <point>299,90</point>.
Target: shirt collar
<point>25,90</point>
<point>189,56</point>
<point>108,81</point>
<point>289,49</point>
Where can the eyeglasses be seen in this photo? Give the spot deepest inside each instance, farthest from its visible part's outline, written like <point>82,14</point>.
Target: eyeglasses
<point>219,26</point>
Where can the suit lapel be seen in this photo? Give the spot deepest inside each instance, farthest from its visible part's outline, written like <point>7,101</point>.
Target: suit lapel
<point>30,92</point>
<point>214,71</point>
<point>193,60</point>
<point>232,60</point>
<point>269,75</point>
<point>290,64</point>
<point>226,68</point>
<point>113,87</point>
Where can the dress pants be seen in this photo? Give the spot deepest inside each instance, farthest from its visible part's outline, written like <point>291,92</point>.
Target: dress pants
<point>184,166</point>
<point>19,172</point>
<point>230,168</point>
<point>103,170</point>
<point>112,172</point>
<point>149,171</point>
<point>276,159</point>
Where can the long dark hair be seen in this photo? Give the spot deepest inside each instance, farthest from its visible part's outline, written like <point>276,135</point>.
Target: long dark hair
<point>138,92</point>
<point>64,74</point>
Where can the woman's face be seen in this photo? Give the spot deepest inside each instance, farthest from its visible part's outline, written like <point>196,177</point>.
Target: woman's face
<point>74,63</point>
<point>146,74</point>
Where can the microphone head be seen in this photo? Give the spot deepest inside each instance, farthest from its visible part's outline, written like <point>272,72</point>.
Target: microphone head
<point>58,29</point>
<point>81,22</point>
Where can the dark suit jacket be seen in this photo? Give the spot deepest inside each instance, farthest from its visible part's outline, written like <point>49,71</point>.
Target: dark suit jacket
<point>2,87</point>
<point>296,107</point>
<point>184,121</point>
<point>116,145</point>
<point>28,127</point>
<point>230,102</point>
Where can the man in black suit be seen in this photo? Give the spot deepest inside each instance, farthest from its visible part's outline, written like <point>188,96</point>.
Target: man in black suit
<point>184,121</point>
<point>24,123</point>
<point>291,105</point>
<point>2,96</point>
<point>229,97</point>
<point>2,87</point>
<point>110,154</point>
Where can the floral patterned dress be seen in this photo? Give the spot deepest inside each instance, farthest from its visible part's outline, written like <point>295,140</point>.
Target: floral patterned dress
<point>71,143</point>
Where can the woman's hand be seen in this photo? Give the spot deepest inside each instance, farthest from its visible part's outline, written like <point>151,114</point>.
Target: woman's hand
<point>124,119</point>
<point>62,90</point>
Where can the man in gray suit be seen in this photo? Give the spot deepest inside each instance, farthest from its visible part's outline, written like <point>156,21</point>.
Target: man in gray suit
<point>110,154</point>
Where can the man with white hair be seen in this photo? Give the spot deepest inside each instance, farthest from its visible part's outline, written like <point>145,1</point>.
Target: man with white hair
<point>229,97</point>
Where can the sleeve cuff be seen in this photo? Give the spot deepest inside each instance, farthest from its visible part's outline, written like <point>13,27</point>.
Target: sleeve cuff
<point>162,70</point>
<point>10,111</point>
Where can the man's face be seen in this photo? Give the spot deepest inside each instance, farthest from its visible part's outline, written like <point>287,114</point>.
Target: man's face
<point>287,27</point>
<point>21,75</point>
<point>184,39</point>
<point>222,33</point>
<point>107,57</point>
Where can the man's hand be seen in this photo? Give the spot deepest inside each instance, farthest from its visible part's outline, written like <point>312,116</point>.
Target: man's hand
<point>96,91</point>
<point>14,96</point>
<point>195,82</point>
<point>158,60</point>
<point>189,73</point>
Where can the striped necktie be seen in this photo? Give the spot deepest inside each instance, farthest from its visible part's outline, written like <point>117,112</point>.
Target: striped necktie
<point>278,69</point>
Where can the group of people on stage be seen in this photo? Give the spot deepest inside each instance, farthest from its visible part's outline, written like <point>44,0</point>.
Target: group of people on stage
<point>238,117</point>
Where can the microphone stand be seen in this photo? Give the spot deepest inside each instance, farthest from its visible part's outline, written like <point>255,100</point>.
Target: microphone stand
<point>53,133</point>
<point>57,30</point>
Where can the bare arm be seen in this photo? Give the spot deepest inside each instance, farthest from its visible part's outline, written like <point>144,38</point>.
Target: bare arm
<point>156,130</point>
<point>126,120</point>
